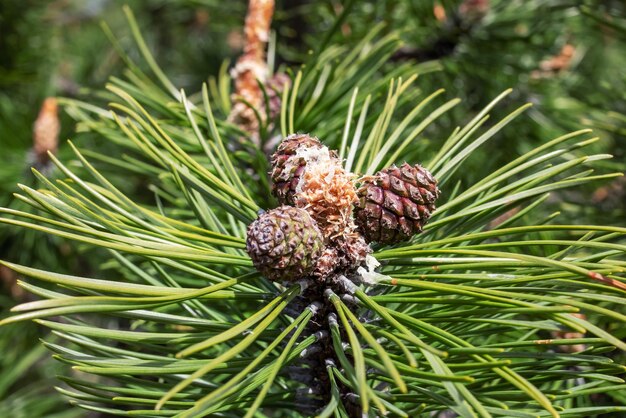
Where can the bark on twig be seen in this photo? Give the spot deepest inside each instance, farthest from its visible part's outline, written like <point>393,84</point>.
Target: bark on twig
<point>251,67</point>
<point>46,131</point>
<point>456,25</point>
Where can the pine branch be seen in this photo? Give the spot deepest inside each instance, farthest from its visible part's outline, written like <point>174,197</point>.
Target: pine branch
<point>460,318</point>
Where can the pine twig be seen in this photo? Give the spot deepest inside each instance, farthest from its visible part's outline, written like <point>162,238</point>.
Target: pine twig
<point>46,131</point>
<point>251,67</point>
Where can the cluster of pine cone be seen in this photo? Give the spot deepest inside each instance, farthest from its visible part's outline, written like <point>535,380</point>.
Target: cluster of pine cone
<point>325,223</point>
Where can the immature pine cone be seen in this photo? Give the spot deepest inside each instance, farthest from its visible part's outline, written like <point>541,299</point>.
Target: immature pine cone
<point>286,171</point>
<point>308,175</point>
<point>395,204</point>
<point>284,243</point>
<point>344,253</point>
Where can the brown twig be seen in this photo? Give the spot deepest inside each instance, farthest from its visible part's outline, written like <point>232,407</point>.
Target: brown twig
<point>251,67</point>
<point>46,131</point>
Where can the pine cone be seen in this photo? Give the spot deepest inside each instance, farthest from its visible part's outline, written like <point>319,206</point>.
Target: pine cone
<point>395,204</point>
<point>326,264</point>
<point>284,243</point>
<point>344,254</point>
<point>286,171</point>
<point>353,249</point>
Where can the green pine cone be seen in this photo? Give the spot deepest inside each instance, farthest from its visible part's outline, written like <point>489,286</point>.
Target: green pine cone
<point>284,243</point>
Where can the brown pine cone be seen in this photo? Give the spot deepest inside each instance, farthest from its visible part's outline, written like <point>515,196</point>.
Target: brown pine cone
<point>353,249</point>
<point>326,264</point>
<point>395,204</point>
<point>284,243</point>
<point>344,254</point>
<point>286,171</point>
